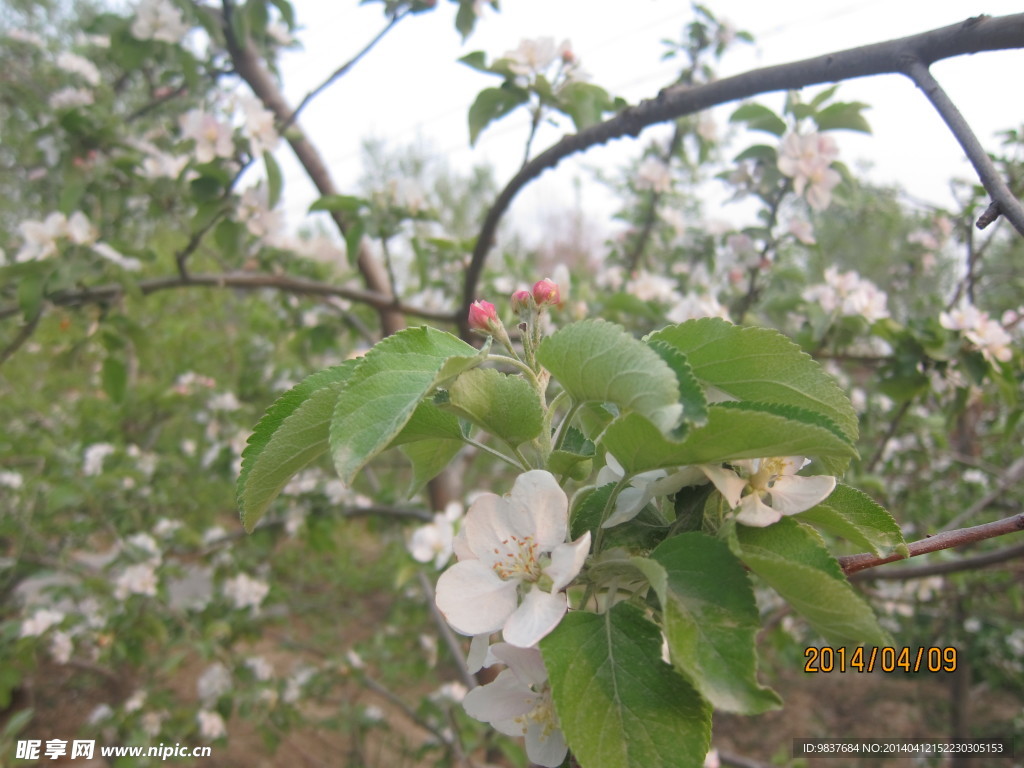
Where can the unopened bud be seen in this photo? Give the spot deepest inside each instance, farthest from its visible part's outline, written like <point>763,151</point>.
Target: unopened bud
<point>546,293</point>
<point>483,317</point>
<point>521,301</point>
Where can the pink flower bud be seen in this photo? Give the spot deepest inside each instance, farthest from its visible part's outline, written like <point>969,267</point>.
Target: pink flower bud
<point>520,301</point>
<point>483,316</point>
<point>546,293</point>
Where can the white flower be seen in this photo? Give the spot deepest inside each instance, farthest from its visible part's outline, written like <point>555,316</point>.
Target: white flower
<point>654,175</point>
<point>40,621</point>
<point>643,487</point>
<point>40,237</point>
<point>693,306</point>
<point>434,541</point>
<point>261,669</point>
<point>11,480</point>
<point>807,159</point>
<point>763,490</point>
<point>158,20</point>
<point>212,137</point>
<point>245,591</point>
<point>138,579</point>
<point>146,543</point>
<point>847,294</point>
<point>978,328</point>
<point>648,286</point>
<point>211,725</point>
<point>518,703</point>
<point>533,57</point>
<point>213,683</point>
<point>509,547</point>
<point>70,98</point>
<point>258,127</point>
<point>79,65</point>
<point>92,462</point>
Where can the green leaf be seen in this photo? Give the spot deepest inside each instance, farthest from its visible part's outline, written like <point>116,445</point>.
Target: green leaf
<point>274,179</point>
<point>387,387</point>
<point>465,18</point>
<point>597,361</point>
<point>792,560</point>
<point>585,103</point>
<point>733,431</point>
<point>843,116</point>
<point>504,406</point>
<point>428,422</point>
<point>761,365</point>
<point>292,434</point>
<point>853,515</point>
<point>759,118</point>
<point>574,458</point>
<point>114,375</point>
<point>343,203</point>
<point>765,154</point>
<point>619,704</point>
<point>476,60</point>
<point>428,459</point>
<point>710,620</point>
<point>492,104</point>
<point>691,394</point>
<point>641,534</point>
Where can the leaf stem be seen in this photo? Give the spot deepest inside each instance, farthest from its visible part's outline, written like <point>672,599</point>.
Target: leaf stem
<point>495,453</point>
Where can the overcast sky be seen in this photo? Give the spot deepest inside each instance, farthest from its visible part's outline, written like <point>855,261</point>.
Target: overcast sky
<point>411,86</point>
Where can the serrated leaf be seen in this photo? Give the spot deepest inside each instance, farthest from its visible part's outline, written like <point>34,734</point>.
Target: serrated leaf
<point>428,459</point>
<point>387,387</point>
<point>691,394</point>
<point>856,517</point>
<point>428,422</point>
<point>492,104</point>
<point>504,406</point>
<point>710,620</point>
<point>794,562</point>
<point>292,434</point>
<point>760,365</point>
<point>619,704</point>
<point>733,431</point>
<point>759,118</point>
<point>596,361</point>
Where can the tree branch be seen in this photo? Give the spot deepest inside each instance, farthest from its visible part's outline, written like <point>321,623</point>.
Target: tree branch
<point>246,281</point>
<point>996,186</point>
<point>983,560</point>
<point>853,563</point>
<point>982,33</point>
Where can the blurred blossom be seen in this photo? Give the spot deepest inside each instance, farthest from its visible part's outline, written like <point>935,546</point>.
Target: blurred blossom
<point>138,579</point>
<point>213,138</point>
<point>372,713</point>
<point>211,725</point>
<point>434,540</point>
<point>11,480</point>
<point>801,229</point>
<point>151,723</point>
<point>245,591</point>
<point>533,57</point>
<point>114,257</point>
<point>70,98</point>
<point>158,20</point>
<point>653,174</point>
<point>146,543</point>
<point>225,401</point>
<point>847,294</point>
<point>260,668</point>
<point>79,65</point>
<point>972,625</point>
<point>61,647</point>
<point>135,702</point>
<point>807,159</point>
<point>647,286</point>
<point>40,621</point>
<point>974,476</point>
<point>979,329</point>
<point>163,165</point>
<point>24,36</point>
<point>694,306</point>
<point>711,760</point>
<point>92,462</point>
<point>449,693</point>
<point>213,683</point>
<point>258,127</point>
<point>99,714</point>
<point>260,219</point>
<point>278,31</point>
<point>294,685</point>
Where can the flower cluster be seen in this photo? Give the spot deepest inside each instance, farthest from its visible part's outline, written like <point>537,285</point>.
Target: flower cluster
<point>982,331</point>
<point>847,294</point>
<point>807,159</point>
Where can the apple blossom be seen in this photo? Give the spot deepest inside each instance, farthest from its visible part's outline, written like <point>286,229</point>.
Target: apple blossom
<point>521,301</point>
<point>654,175</point>
<point>158,20</point>
<point>211,725</point>
<point>807,159</point>
<point>434,540</point>
<point>483,317</point>
<point>79,65</point>
<point>643,487</point>
<point>979,329</point>
<point>518,703</point>
<point>514,562</point>
<point>747,483</point>
<point>546,294</point>
<point>213,138</point>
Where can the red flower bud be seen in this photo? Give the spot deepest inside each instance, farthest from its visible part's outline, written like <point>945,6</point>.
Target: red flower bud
<point>520,301</point>
<point>483,316</point>
<point>546,293</point>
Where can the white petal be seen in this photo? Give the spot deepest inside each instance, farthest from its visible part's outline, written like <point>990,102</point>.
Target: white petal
<point>755,513</point>
<point>547,749</point>
<point>793,494</point>
<point>526,663</point>
<point>627,506</point>
<point>503,698</point>
<point>566,561</point>
<point>547,506</point>
<point>537,615</point>
<point>473,600</point>
<point>478,647</point>
<point>728,483</point>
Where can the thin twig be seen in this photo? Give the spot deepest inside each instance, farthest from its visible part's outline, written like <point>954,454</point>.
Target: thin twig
<point>972,36</point>
<point>451,642</point>
<point>944,540</point>
<point>24,334</point>
<point>939,569</point>
<point>341,71</point>
<point>1013,475</point>
<point>994,183</point>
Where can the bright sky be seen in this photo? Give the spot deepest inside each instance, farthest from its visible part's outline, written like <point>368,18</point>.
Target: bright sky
<point>411,87</point>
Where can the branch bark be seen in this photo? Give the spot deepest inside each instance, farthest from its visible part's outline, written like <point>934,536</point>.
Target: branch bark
<point>975,35</point>
<point>946,540</point>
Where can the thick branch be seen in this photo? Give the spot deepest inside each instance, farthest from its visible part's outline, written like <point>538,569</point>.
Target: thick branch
<point>251,69</point>
<point>995,184</point>
<point>247,281</point>
<point>975,35</point>
<point>945,540</point>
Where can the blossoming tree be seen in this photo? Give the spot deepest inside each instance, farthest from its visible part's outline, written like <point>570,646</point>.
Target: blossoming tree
<point>654,441</point>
